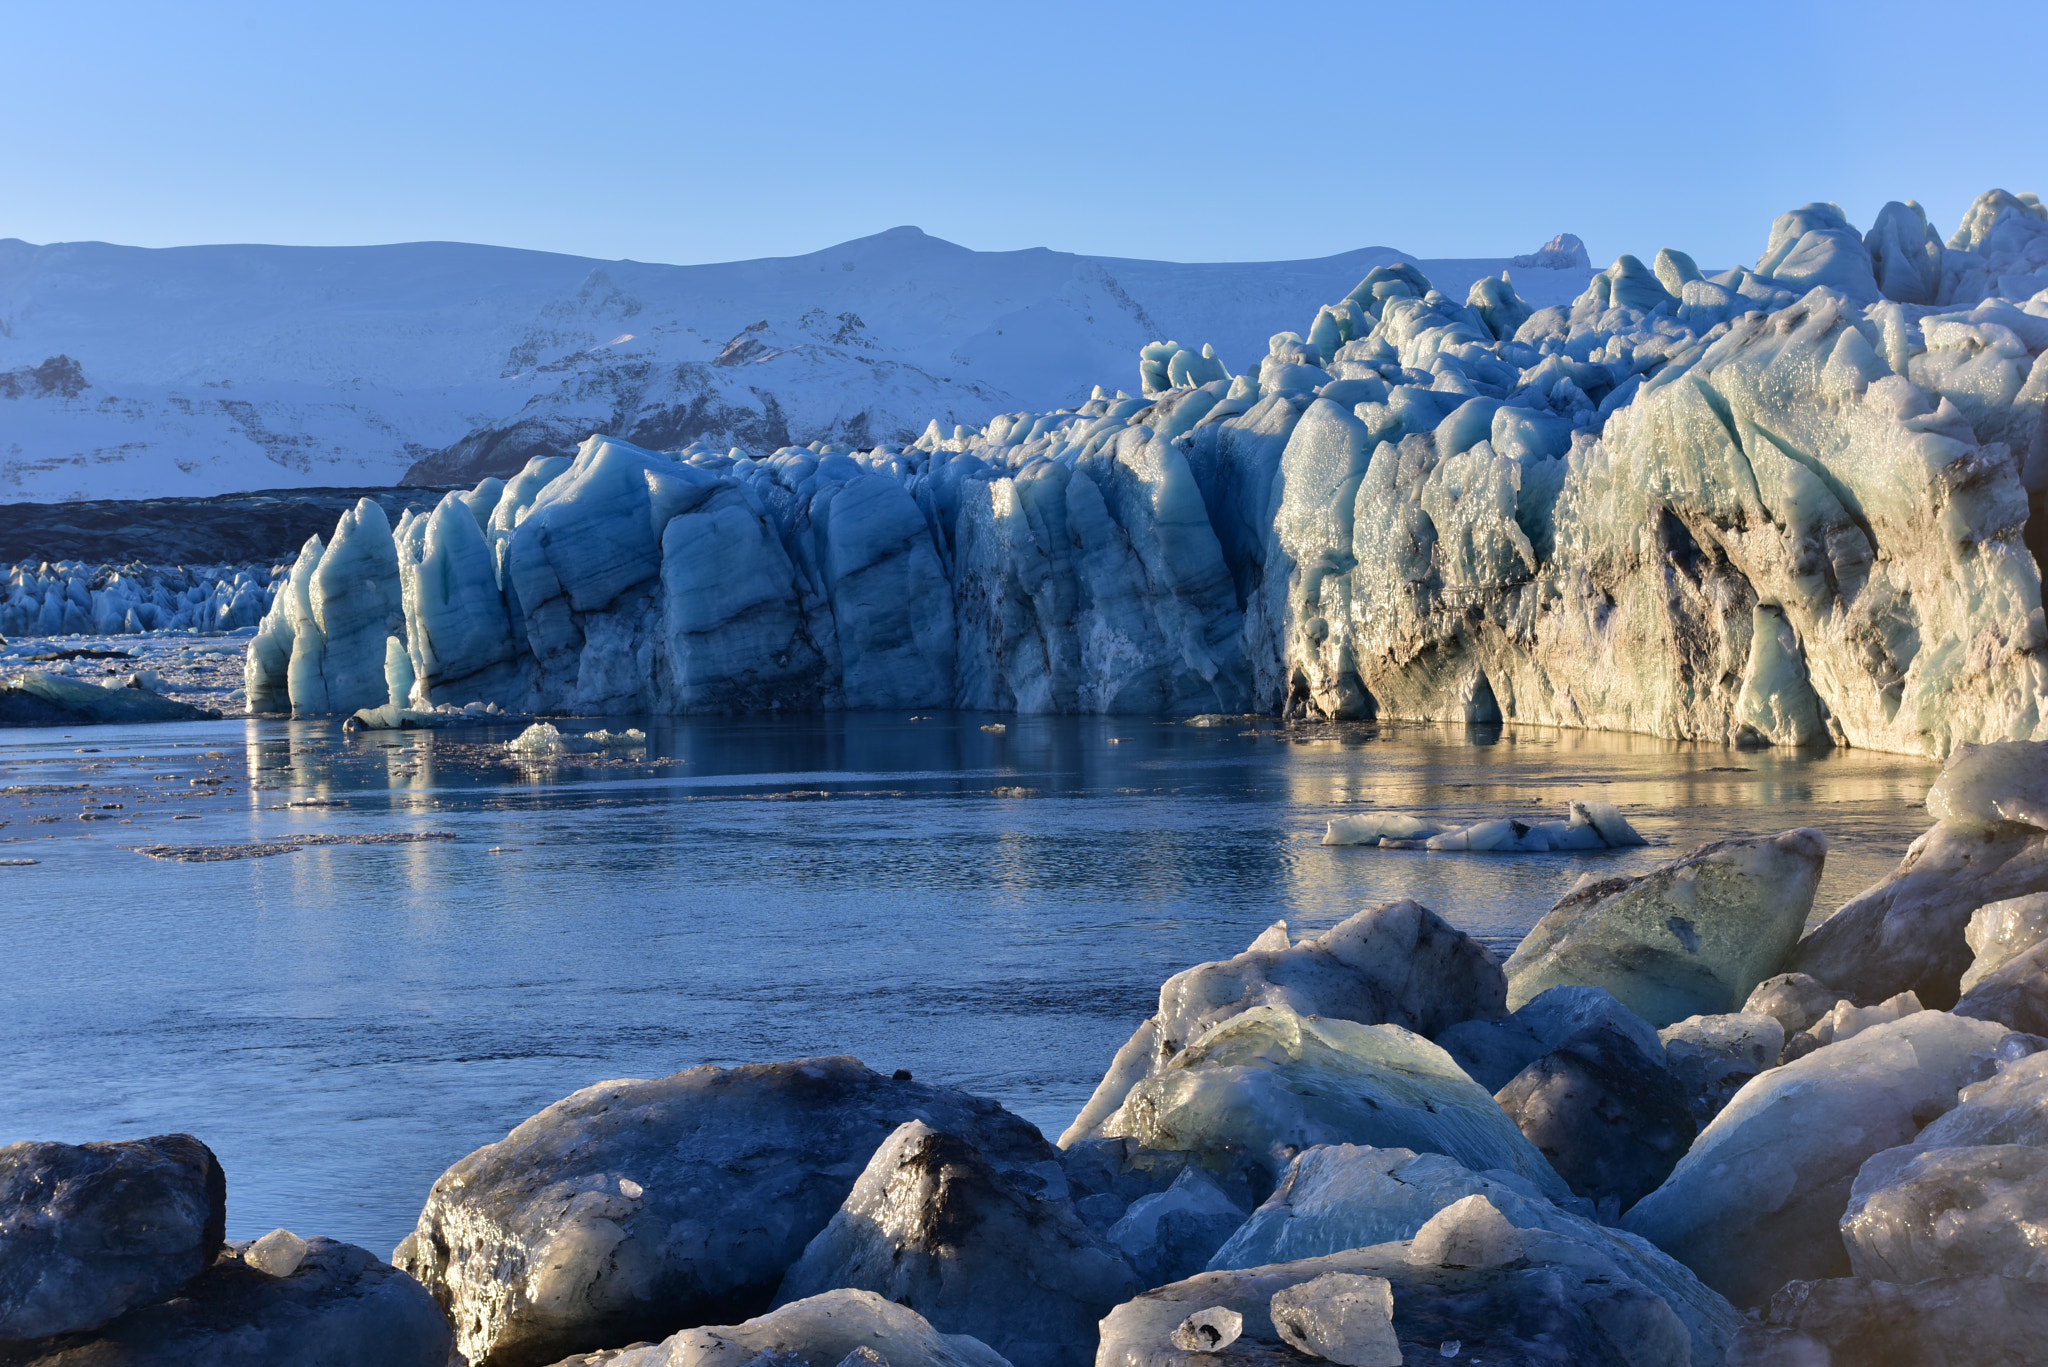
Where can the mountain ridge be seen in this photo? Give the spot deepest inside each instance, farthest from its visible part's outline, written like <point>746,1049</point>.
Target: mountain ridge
<point>208,369</point>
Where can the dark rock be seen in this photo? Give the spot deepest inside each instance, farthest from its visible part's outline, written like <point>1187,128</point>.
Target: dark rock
<point>1610,1118</point>
<point>90,1230</point>
<point>2014,994</point>
<point>265,527</point>
<point>340,1308</point>
<point>632,1209</point>
<point>1860,1322</point>
<point>933,1225</point>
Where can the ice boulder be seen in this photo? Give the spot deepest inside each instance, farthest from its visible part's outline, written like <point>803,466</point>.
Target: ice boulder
<point>1794,1000</point>
<point>1757,1200</point>
<point>1846,1020</point>
<point>1713,1056</point>
<point>1172,1234</point>
<point>1985,786</point>
<point>1908,933</point>
<point>1611,1118</point>
<point>933,1225</point>
<point>338,1306</point>
<point>1270,1083</point>
<point>1917,1212</point>
<point>1493,1051</point>
<point>1561,1301</point>
<point>1691,938</point>
<point>1863,1322</point>
<point>1343,1196</point>
<point>634,1208</point>
<point>1107,1178</point>
<point>2008,1108</point>
<point>2000,932</point>
<point>847,1328</point>
<point>1398,963</point>
<point>2016,994</point>
<point>90,1230</point>
<point>1339,1317</point>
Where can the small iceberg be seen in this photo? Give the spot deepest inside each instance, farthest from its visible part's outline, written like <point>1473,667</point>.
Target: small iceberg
<point>1587,826</point>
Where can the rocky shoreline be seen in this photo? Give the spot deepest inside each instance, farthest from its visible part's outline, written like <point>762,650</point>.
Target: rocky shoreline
<point>1666,1130</point>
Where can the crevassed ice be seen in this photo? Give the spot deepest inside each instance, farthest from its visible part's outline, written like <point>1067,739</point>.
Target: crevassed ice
<point>1796,504</point>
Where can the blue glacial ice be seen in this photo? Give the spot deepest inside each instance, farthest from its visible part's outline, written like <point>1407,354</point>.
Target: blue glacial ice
<point>1801,503</point>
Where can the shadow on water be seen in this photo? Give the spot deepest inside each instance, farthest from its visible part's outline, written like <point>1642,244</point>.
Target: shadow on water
<point>992,908</point>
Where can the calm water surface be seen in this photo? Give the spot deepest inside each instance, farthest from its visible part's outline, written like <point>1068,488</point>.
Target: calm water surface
<point>994,910</point>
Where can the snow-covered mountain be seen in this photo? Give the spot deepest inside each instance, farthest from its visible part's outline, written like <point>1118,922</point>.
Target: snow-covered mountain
<point>132,372</point>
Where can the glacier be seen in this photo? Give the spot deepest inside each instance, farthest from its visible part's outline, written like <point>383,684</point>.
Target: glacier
<point>1797,504</point>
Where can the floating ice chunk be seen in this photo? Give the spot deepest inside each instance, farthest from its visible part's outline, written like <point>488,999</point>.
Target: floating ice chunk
<point>542,740</point>
<point>1757,1200</point>
<point>1982,785</point>
<point>1917,1212</point>
<point>611,739</point>
<point>1587,826</point>
<point>1340,1317</point>
<point>1371,828</point>
<point>2002,931</point>
<point>1693,937</point>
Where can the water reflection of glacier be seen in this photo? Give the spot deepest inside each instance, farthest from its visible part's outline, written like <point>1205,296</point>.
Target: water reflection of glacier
<point>343,1022</point>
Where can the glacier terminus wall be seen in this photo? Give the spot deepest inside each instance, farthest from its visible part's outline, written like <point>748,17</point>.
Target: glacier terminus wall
<point>1799,504</point>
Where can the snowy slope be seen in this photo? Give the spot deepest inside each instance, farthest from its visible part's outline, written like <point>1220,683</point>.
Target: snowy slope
<point>201,370</point>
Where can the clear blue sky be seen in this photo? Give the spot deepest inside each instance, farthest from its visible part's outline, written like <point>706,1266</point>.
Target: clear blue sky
<point>1175,129</point>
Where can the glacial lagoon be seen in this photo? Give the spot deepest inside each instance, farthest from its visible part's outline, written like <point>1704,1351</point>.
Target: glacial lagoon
<point>990,908</point>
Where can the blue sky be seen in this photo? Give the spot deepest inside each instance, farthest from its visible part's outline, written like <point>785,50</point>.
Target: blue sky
<point>1184,130</point>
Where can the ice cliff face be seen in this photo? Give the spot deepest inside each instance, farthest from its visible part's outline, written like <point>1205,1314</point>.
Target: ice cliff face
<point>1798,504</point>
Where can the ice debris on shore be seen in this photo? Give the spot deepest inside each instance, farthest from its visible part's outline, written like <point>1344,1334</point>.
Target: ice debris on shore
<point>1281,1164</point>
<point>1800,503</point>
